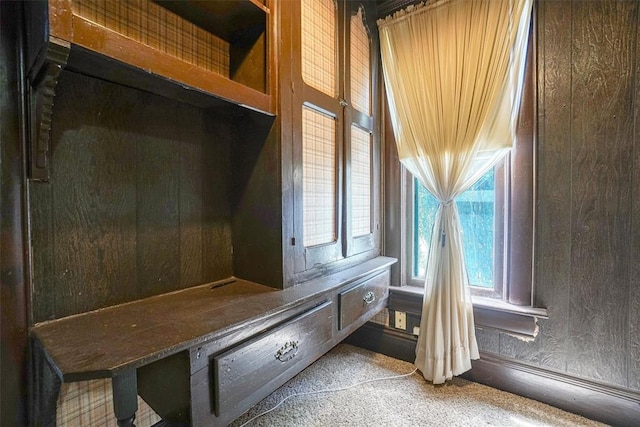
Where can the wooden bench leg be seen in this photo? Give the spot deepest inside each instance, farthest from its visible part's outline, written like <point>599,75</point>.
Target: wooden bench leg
<point>125,397</point>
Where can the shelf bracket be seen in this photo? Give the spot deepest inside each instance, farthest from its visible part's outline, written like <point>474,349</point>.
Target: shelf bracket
<point>43,80</point>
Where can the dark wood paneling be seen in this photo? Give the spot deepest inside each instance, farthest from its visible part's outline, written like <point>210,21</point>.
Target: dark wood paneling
<point>14,295</point>
<point>394,200</point>
<point>158,211</point>
<point>217,249</point>
<point>553,228</point>
<point>516,348</point>
<point>488,339</point>
<point>257,202</point>
<point>634,286</point>
<point>191,188</point>
<point>289,171</point>
<point>138,201</point>
<point>92,198</point>
<point>602,137</point>
<point>43,304</point>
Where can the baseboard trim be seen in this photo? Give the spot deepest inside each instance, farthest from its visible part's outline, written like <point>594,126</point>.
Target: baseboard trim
<point>377,338</point>
<point>587,398</point>
<point>590,399</point>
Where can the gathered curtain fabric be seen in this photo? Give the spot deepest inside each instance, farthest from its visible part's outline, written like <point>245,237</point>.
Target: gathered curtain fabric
<point>453,73</point>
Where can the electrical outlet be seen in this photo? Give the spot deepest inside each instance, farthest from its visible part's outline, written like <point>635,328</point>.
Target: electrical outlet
<point>401,320</point>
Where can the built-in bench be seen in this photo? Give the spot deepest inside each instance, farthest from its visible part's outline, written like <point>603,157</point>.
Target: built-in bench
<point>204,355</point>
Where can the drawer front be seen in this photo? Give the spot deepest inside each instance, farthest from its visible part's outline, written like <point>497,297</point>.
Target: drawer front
<point>363,300</point>
<point>248,373</point>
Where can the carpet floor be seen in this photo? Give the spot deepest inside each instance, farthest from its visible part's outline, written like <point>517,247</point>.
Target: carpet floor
<point>407,401</point>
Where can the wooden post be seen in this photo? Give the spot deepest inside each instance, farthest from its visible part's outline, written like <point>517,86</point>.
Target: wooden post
<point>125,397</point>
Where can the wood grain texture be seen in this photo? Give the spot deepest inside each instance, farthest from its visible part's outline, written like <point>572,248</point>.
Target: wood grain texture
<point>363,299</point>
<point>250,372</point>
<point>43,304</point>
<point>587,243</point>
<point>158,211</point>
<point>634,285</point>
<point>93,199</point>
<point>95,38</point>
<point>102,343</point>
<point>14,259</point>
<point>602,136</point>
<point>553,228</point>
<point>257,202</point>
<point>217,248</point>
<point>190,196</point>
<point>488,340</point>
<point>515,348</point>
<point>138,199</point>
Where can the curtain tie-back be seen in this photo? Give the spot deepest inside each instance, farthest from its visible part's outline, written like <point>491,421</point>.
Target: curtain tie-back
<point>443,234</point>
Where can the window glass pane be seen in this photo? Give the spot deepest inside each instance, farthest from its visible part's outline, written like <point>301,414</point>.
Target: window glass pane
<point>319,187</point>
<point>476,208</point>
<point>360,181</point>
<point>360,58</point>
<point>319,45</point>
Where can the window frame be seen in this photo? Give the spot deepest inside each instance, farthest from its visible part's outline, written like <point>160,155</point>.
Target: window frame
<point>501,239</point>
<point>515,230</point>
<point>512,308</point>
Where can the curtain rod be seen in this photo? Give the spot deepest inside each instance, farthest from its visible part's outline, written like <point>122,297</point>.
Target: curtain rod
<point>410,10</point>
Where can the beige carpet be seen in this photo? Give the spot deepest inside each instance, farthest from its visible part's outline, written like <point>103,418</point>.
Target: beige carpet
<point>408,401</point>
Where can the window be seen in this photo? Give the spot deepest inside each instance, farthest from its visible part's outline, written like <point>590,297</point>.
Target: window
<point>480,218</point>
<point>481,209</point>
<point>496,215</point>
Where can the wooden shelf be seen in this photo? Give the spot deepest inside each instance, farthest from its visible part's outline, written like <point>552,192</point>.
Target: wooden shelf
<point>228,19</point>
<point>206,53</point>
<point>109,47</point>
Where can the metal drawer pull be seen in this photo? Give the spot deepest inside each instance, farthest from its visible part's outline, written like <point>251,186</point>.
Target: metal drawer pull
<point>369,297</point>
<point>287,351</point>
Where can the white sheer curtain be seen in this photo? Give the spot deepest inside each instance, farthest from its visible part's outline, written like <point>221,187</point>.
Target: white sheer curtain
<point>453,72</point>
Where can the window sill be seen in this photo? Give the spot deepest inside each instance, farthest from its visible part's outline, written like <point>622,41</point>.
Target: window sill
<point>519,321</point>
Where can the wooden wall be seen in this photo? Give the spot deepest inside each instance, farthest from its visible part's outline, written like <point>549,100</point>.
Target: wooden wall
<point>140,200</point>
<point>587,266</point>
<point>13,270</point>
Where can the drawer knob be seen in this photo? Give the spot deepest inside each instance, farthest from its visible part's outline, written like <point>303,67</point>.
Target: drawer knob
<point>369,297</point>
<point>287,351</point>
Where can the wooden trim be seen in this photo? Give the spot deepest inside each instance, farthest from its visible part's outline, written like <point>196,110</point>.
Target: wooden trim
<point>522,192</point>
<point>15,298</point>
<point>123,49</point>
<point>592,400</point>
<point>514,232</point>
<point>60,19</point>
<point>377,338</point>
<point>516,322</point>
<point>587,398</point>
<point>44,81</point>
